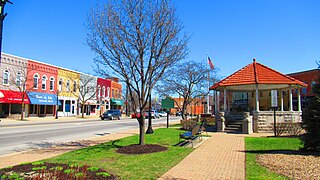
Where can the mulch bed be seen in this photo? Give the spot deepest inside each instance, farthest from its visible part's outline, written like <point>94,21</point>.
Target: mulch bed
<point>54,171</point>
<point>141,149</point>
<point>293,165</point>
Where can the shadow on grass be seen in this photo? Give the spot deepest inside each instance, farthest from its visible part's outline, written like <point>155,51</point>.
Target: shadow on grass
<point>284,151</point>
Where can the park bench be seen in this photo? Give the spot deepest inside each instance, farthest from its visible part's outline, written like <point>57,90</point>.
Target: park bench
<point>190,135</point>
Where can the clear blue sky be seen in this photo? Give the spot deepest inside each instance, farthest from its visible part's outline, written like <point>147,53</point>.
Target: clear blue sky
<point>282,34</point>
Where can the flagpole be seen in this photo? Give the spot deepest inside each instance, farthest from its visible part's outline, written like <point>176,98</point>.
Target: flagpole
<point>208,96</point>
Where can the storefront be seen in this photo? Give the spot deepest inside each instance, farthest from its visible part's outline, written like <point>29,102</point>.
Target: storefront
<point>42,104</point>
<point>11,102</point>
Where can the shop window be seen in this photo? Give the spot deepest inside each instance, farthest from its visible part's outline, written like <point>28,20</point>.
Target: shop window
<point>61,106</point>
<point>44,82</point>
<point>6,76</point>
<point>35,81</point>
<point>60,85</point>
<point>304,90</point>
<point>51,84</point>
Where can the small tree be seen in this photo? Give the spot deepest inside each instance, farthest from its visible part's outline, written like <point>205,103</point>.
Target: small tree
<point>138,40</point>
<point>188,80</point>
<point>87,90</point>
<point>19,80</point>
<point>311,121</point>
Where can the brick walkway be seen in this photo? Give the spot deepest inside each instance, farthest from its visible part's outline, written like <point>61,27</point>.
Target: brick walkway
<point>220,157</point>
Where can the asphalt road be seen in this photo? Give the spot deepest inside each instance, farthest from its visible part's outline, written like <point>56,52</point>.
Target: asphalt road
<point>19,138</point>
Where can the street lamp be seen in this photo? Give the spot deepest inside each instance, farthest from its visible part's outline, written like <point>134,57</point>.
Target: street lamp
<point>2,16</point>
<point>57,107</point>
<point>149,130</point>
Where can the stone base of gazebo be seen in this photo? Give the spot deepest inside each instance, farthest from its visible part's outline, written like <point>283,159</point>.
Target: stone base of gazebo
<point>263,120</point>
<point>258,122</point>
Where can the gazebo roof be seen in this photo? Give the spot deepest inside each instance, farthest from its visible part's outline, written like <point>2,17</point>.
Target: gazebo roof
<point>255,73</point>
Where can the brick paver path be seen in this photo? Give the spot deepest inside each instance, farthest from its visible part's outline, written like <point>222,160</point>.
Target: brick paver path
<point>221,157</point>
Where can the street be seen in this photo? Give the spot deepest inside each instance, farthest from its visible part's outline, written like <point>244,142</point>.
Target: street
<point>19,138</point>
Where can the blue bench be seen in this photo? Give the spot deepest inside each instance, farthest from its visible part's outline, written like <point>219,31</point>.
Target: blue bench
<point>190,135</point>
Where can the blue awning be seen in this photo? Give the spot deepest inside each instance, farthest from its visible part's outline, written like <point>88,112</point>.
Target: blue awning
<point>43,98</point>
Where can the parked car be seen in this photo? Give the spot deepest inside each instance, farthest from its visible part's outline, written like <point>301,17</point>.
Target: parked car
<point>111,114</point>
<point>135,115</point>
<point>154,114</point>
<point>163,114</point>
<point>178,114</point>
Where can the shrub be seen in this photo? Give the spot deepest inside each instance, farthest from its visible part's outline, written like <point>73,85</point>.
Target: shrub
<point>292,128</point>
<point>311,121</point>
<point>188,124</point>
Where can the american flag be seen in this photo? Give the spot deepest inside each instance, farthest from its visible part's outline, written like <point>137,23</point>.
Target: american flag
<point>210,63</point>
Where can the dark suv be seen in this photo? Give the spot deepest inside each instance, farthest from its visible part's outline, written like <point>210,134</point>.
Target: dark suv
<point>111,114</point>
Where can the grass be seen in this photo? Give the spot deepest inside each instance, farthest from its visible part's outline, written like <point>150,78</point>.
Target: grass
<point>145,166</point>
<point>255,146</point>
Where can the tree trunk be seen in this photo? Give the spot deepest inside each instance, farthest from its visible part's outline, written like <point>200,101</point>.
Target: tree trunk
<point>82,110</point>
<point>22,106</point>
<point>183,113</point>
<point>141,129</point>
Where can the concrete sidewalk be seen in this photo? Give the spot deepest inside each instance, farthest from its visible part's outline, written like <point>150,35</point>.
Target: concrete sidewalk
<point>222,156</point>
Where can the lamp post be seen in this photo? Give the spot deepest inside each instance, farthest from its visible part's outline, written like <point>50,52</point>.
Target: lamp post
<point>149,130</point>
<point>57,107</point>
<point>2,16</point>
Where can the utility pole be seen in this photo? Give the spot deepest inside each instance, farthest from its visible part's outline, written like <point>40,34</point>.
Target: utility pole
<point>2,16</point>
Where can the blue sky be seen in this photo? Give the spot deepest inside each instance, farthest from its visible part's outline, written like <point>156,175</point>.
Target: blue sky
<point>282,34</point>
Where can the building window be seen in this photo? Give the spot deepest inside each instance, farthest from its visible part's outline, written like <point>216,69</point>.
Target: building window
<point>113,93</point>
<point>18,79</point>
<point>103,91</point>
<point>35,81</point>
<point>6,76</point>
<point>68,86</point>
<point>75,86</point>
<point>44,82</point>
<point>51,84</point>
<point>60,85</point>
<point>99,91</point>
<point>313,83</point>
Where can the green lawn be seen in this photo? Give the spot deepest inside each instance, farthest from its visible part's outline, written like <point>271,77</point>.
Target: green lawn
<point>146,166</point>
<point>255,146</point>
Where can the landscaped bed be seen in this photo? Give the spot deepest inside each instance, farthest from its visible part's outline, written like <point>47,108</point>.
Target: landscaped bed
<point>280,158</point>
<point>154,159</point>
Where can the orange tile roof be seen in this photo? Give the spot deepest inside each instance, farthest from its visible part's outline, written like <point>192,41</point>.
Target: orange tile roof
<point>256,73</point>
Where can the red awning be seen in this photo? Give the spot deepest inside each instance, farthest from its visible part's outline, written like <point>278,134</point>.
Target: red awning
<point>13,97</point>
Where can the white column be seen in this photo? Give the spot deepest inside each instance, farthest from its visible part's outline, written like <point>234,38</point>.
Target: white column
<point>281,94</point>
<point>218,100</point>
<point>229,101</point>
<point>290,99</point>
<point>257,98</point>
<point>224,99</point>
<point>299,100</point>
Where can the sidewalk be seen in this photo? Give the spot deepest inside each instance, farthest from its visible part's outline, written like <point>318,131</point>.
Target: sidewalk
<point>222,156</point>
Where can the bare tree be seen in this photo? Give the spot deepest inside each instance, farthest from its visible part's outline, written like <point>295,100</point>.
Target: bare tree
<point>188,80</point>
<point>87,90</point>
<point>19,80</point>
<point>138,40</point>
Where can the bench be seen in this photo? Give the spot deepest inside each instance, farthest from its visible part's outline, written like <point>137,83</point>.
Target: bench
<point>190,135</point>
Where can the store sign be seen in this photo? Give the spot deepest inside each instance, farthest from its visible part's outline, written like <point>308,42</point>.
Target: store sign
<point>43,98</point>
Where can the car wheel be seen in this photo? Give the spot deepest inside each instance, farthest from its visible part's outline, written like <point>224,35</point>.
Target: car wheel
<point>119,118</point>
<point>111,118</point>
<point>102,118</point>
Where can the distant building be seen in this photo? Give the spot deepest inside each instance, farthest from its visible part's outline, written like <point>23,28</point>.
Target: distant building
<point>310,77</point>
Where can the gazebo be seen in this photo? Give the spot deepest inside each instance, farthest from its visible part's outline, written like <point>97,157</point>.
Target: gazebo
<point>256,81</point>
